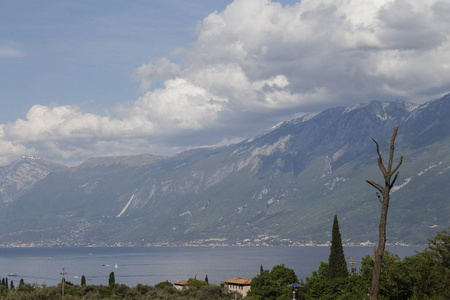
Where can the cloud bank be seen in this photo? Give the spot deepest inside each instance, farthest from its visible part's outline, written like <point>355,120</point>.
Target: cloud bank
<point>252,65</point>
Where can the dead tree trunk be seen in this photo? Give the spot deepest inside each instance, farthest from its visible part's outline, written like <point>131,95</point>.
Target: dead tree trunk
<point>384,200</point>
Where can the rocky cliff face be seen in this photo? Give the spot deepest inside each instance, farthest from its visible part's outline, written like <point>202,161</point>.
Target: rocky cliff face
<point>281,187</point>
<point>20,176</point>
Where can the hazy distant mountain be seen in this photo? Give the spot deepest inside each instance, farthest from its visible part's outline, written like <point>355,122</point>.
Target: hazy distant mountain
<point>20,176</point>
<point>280,187</point>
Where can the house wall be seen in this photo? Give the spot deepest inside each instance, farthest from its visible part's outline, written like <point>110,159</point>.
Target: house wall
<point>241,289</point>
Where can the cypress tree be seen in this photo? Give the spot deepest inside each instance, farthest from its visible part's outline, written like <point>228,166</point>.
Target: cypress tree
<point>261,269</point>
<point>83,280</point>
<point>12,285</point>
<point>112,279</point>
<point>206,279</point>
<point>337,266</point>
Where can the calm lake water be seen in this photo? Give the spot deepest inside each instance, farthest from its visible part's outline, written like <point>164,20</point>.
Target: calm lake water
<point>151,265</point>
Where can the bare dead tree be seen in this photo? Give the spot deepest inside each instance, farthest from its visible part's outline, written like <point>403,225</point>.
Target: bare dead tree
<point>384,200</point>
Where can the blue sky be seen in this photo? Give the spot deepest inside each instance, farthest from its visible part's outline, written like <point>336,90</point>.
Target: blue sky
<point>85,52</point>
<point>95,78</point>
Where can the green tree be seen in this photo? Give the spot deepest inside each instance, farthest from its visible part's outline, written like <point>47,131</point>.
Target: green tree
<point>273,284</point>
<point>321,286</point>
<point>4,292</point>
<point>424,275</point>
<point>206,279</point>
<point>394,280</point>
<point>439,247</point>
<point>195,283</point>
<point>144,289</point>
<point>164,284</point>
<point>429,270</point>
<point>318,284</point>
<point>12,285</point>
<point>112,279</point>
<point>337,265</point>
<point>83,280</point>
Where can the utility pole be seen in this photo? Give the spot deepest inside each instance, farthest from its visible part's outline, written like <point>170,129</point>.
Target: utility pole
<point>63,281</point>
<point>352,265</point>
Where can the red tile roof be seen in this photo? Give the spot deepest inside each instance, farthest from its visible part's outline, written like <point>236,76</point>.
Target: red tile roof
<point>238,280</point>
<point>183,282</point>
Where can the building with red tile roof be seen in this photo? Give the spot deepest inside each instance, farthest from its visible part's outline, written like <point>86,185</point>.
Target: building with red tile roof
<point>238,284</point>
<point>179,285</point>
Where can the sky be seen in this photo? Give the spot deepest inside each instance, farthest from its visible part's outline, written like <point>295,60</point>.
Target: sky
<point>80,79</point>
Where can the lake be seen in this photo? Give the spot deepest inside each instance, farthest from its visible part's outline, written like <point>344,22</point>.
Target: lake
<point>151,265</point>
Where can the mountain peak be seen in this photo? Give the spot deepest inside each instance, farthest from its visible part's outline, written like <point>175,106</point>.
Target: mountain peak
<point>20,176</point>
<point>32,159</point>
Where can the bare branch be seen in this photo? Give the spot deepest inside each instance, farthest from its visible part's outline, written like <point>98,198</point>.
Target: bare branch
<point>391,152</point>
<point>380,158</point>
<point>375,185</point>
<point>393,181</point>
<point>398,165</point>
<point>378,147</point>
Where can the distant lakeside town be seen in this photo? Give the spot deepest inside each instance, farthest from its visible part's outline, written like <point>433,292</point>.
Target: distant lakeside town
<point>198,243</point>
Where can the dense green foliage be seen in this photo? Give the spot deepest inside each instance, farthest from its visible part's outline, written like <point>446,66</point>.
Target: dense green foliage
<point>273,284</point>
<point>163,290</point>
<point>337,266</point>
<point>195,283</point>
<point>425,275</point>
<point>164,284</point>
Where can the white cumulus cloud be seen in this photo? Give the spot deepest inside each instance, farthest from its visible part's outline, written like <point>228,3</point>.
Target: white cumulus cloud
<point>253,64</point>
<point>157,70</point>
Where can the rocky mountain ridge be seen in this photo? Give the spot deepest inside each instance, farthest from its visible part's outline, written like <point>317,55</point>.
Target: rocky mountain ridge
<point>20,176</point>
<point>281,187</point>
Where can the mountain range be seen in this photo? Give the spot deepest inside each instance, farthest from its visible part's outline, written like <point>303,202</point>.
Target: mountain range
<point>282,187</point>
